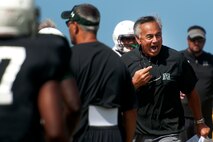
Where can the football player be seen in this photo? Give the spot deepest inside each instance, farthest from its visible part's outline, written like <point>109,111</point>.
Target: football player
<point>123,37</point>
<point>35,78</point>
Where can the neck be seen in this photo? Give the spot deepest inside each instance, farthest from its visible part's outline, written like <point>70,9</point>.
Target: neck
<point>85,37</point>
<point>196,54</point>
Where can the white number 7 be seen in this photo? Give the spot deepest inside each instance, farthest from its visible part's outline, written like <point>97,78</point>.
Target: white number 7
<point>16,56</point>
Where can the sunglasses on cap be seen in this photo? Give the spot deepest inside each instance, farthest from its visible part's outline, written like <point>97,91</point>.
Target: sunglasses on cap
<point>197,39</point>
<point>72,15</point>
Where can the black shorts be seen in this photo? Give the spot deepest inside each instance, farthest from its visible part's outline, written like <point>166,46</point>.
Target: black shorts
<point>101,134</point>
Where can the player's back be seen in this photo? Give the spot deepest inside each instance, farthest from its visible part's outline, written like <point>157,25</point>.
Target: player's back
<point>26,64</point>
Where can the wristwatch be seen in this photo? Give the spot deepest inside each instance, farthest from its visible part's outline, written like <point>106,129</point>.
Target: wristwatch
<point>200,121</point>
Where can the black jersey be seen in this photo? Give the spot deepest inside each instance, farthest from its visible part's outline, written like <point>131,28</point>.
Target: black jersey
<point>103,80</point>
<point>26,64</point>
<point>160,111</point>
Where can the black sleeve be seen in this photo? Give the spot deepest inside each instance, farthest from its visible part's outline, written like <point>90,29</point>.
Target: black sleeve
<point>188,78</point>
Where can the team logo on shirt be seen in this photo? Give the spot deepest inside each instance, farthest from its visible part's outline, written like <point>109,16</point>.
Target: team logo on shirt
<point>205,63</point>
<point>166,76</point>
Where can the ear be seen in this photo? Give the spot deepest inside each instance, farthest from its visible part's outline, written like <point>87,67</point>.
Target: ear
<point>75,27</point>
<point>138,40</point>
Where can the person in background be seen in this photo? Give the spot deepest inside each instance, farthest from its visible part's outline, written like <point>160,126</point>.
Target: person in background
<point>123,37</point>
<point>48,27</point>
<point>202,63</point>
<point>107,93</point>
<point>32,84</point>
<point>158,74</point>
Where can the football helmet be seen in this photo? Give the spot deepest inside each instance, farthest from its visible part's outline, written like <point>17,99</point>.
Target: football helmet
<point>124,31</point>
<point>18,17</point>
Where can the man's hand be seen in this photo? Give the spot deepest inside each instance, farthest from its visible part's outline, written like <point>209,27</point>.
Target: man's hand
<point>203,130</point>
<point>182,96</point>
<point>142,77</point>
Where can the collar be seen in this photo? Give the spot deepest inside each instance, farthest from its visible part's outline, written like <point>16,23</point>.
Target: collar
<point>152,60</point>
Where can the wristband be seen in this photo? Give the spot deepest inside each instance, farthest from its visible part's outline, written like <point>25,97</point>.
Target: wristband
<point>200,121</point>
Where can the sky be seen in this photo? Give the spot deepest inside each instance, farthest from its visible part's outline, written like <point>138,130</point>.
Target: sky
<point>176,17</point>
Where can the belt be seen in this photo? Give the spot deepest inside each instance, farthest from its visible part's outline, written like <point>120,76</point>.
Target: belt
<point>101,116</point>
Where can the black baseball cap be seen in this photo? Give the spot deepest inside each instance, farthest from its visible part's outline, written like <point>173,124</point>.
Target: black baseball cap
<point>72,15</point>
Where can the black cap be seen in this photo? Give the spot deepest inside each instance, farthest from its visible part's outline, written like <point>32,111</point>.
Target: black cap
<point>65,14</point>
<point>72,15</point>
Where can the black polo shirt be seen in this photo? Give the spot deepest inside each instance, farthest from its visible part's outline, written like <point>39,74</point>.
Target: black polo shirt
<point>102,79</point>
<point>203,67</point>
<point>160,111</point>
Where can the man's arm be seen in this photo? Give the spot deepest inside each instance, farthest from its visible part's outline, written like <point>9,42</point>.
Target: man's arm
<point>72,101</point>
<point>129,118</point>
<point>195,105</point>
<point>50,107</point>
